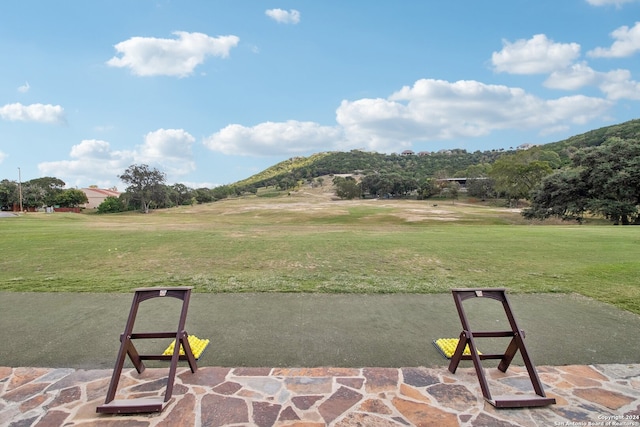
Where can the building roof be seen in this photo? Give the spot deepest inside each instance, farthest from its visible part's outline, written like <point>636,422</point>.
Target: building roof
<point>100,192</point>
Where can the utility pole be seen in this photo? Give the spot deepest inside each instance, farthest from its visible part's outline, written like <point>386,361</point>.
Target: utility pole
<point>20,188</point>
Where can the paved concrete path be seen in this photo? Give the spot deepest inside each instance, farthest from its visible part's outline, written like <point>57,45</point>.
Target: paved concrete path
<point>58,351</point>
<point>65,330</point>
<point>297,397</point>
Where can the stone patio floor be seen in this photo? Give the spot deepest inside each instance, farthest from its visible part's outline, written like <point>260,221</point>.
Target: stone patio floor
<point>607,395</point>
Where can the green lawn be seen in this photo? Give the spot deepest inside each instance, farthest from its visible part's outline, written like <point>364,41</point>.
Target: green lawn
<point>314,244</point>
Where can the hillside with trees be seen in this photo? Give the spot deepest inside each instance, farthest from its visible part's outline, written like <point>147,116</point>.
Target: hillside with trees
<point>444,163</point>
<point>595,173</point>
<point>602,180</point>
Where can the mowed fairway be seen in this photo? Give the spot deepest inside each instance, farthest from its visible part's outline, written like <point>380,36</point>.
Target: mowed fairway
<point>308,242</point>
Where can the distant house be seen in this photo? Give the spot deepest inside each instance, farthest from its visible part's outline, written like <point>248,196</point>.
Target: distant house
<point>97,195</point>
<point>408,153</point>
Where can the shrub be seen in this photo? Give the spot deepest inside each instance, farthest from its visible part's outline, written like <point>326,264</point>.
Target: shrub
<point>110,205</point>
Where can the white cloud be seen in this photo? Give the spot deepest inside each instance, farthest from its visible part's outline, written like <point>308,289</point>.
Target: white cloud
<point>271,139</point>
<point>92,162</point>
<point>24,88</point>
<point>291,16</point>
<point>438,109</point>
<point>379,124</point>
<point>573,78</point>
<point>534,56</point>
<point>617,3</point>
<point>170,149</point>
<point>427,111</point>
<point>2,156</point>
<point>95,162</point>
<point>617,84</point>
<point>149,56</point>
<point>32,113</point>
<point>627,42</point>
<point>94,149</point>
<point>541,55</point>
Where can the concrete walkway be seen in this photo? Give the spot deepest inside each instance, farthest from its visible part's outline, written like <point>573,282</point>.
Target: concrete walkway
<point>77,330</point>
<point>604,395</point>
<point>587,353</point>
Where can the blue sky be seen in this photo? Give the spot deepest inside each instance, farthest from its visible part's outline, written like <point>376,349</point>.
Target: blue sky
<point>213,91</point>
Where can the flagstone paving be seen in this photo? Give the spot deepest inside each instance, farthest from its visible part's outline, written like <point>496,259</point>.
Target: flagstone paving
<point>215,396</point>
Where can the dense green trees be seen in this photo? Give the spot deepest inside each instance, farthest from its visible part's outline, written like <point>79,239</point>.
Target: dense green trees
<point>347,187</point>
<point>481,188</point>
<point>427,187</point>
<point>8,194</point>
<point>39,192</point>
<point>111,205</point>
<point>71,198</point>
<point>452,191</point>
<point>146,185</point>
<point>179,194</point>
<point>146,190</point>
<point>562,194</point>
<point>603,180</point>
<point>48,188</point>
<point>516,175</point>
<point>393,184</point>
<point>288,173</point>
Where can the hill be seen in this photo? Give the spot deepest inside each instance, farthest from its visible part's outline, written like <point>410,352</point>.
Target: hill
<point>593,138</point>
<point>450,163</point>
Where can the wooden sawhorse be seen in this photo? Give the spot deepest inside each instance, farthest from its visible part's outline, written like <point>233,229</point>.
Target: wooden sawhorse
<point>467,336</point>
<point>131,406</point>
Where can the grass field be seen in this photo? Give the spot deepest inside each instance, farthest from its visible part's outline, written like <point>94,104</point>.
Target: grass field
<point>307,242</point>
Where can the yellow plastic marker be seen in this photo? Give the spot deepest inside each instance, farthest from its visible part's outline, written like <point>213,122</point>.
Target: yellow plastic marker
<point>447,347</point>
<point>197,347</point>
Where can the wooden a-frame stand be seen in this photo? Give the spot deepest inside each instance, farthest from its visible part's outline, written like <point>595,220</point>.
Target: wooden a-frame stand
<point>467,337</point>
<point>144,405</point>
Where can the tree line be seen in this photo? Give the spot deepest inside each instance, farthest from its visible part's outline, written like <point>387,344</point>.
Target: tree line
<point>509,176</point>
<point>602,180</point>
<point>39,192</point>
<point>571,183</point>
<point>146,189</point>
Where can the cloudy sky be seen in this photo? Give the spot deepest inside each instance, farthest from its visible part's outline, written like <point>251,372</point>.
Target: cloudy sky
<point>213,91</point>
